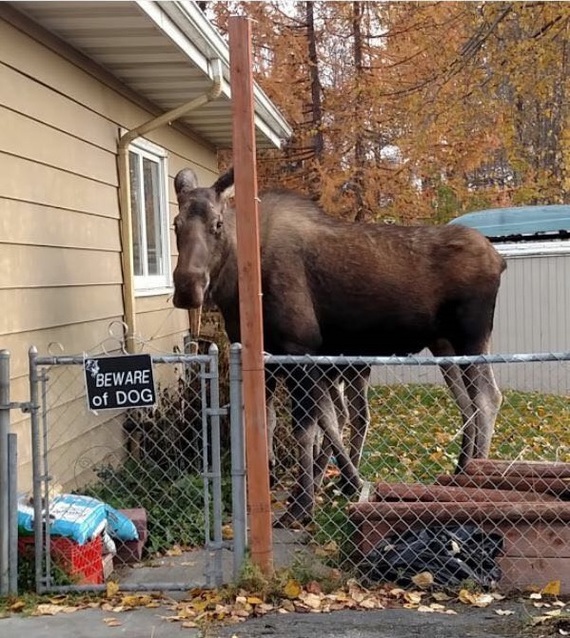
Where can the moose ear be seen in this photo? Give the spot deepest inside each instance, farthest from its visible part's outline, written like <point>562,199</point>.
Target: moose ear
<point>224,186</point>
<point>185,180</point>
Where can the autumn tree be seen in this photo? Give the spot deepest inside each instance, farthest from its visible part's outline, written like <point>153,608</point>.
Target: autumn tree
<point>407,111</point>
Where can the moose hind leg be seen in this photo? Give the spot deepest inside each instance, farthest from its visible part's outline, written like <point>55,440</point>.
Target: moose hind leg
<point>454,379</point>
<point>488,402</point>
<point>333,413</point>
<point>356,390</point>
<point>304,413</point>
<point>349,481</point>
<point>486,397</point>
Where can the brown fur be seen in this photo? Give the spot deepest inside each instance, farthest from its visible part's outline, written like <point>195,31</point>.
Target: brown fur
<point>337,288</point>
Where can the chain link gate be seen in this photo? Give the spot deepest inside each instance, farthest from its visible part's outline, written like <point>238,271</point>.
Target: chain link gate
<point>501,522</point>
<point>167,468</point>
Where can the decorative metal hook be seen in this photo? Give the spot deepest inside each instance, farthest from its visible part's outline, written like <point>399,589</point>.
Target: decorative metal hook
<point>55,344</point>
<point>119,337</point>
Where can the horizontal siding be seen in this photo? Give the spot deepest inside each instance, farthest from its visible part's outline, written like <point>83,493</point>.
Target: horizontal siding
<point>27,181</point>
<point>71,462</point>
<point>35,308</point>
<point>42,225</point>
<point>160,326</point>
<point>41,103</point>
<point>50,69</point>
<point>532,315</point>
<point>60,268</point>
<point>91,336</point>
<point>32,140</point>
<point>533,307</point>
<point>50,266</point>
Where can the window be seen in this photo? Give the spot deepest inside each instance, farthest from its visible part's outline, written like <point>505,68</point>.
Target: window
<point>149,204</point>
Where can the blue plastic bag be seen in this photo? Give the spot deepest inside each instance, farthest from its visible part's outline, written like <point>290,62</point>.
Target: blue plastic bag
<point>80,518</point>
<point>77,517</point>
<point>120,526</point>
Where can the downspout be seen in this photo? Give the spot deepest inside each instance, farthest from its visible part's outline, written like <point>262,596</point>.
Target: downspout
<point>126,219</point>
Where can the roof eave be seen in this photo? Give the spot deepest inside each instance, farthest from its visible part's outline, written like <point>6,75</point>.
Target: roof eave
<point>186,25</point>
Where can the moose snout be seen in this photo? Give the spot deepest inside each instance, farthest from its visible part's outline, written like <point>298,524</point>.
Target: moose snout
<point>189,288</point>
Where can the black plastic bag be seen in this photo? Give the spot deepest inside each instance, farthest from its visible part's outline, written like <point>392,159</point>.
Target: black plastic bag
<point>451,554</point>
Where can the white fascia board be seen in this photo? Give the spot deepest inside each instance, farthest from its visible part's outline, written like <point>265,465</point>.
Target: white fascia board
<point>155,11</point>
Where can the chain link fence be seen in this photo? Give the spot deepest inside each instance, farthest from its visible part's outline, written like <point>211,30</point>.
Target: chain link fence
<point>408,516</point>
<point>160,477</point>
<point>364,455</point>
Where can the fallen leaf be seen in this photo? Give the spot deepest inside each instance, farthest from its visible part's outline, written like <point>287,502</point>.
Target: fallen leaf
<point>371,603</point>
<point>440,596</point>
<point>136,601</point>
<point>474,599</point>
<point>189,624</point>
<point>413,597</point>
<point>227,532</point>
<point>292,589</point>
<point>47,609</point>
<point>553,613</point>
<point>313,601</point>
<point>112,622</point>
<point>265,608</point>
<point>112,589</point>
<point>423,579</point>
<point>17,606</point>
<point>437,607</point>
<point>313,587</point>
<point>551,589</point>
<point>254,600</point>
<point>504,612</point>
<point>175,550</point>
<point>425,608</point>
<point>535,596</point>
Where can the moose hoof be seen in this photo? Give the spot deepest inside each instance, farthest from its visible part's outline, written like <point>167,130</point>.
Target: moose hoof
<point>293,518</point>
<point>350,487</point>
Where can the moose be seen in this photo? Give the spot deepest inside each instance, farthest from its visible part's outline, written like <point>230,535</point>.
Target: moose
<point>332,287</point>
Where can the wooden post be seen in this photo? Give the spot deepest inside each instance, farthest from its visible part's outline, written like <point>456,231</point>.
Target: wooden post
<point>249,268</point>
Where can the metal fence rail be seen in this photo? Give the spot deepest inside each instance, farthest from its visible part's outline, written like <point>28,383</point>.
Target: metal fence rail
<point>167,461</point>
<point>502,521</point>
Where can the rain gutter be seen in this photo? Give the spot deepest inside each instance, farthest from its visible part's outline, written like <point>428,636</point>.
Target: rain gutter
<point>126,220</point>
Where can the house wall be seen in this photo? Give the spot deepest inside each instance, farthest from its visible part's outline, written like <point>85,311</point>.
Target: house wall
<point>60,262</point>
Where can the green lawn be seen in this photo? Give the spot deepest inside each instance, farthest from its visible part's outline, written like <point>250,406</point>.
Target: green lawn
<point>414,429</point>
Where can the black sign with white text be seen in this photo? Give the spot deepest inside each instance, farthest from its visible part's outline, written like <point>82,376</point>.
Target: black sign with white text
<point>119,382</point>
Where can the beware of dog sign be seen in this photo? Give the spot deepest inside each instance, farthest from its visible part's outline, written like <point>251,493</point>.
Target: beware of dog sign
<point>119,382</point>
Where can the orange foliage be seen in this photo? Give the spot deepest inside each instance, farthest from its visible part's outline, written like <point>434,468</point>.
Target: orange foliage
<point>425,110</point>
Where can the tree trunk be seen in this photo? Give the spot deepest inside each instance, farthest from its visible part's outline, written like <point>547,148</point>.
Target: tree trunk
<point>316,99</point>
<point>359,150</point>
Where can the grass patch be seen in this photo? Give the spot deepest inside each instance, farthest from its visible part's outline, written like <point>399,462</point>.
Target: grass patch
<point>414,431</point>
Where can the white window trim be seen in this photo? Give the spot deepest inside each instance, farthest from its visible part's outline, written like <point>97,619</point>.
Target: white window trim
<point>155,285</point>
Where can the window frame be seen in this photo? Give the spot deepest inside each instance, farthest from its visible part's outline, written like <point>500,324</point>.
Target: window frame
<point>153,285</point>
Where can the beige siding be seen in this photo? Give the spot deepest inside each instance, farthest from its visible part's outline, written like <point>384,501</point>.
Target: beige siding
<point>60,250</point>
<point>533,313</point>
<point>533,308</point>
